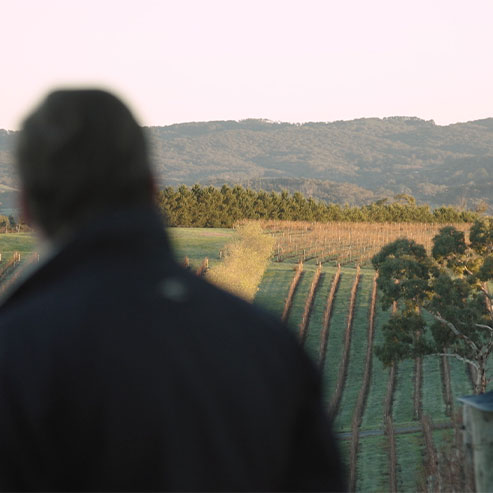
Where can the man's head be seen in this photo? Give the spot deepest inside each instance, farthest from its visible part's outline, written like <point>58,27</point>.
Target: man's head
<point>81,153</point>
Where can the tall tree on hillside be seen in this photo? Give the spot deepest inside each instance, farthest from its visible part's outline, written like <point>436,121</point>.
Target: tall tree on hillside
<point>443,304</point>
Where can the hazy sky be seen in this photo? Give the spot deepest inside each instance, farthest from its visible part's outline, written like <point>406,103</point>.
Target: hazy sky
<point>177,61</point>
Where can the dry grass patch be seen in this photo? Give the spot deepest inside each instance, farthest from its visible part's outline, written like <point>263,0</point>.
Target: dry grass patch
<point>245,260</point>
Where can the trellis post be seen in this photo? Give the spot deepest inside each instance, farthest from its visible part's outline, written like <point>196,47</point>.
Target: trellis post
<point>478,438</point>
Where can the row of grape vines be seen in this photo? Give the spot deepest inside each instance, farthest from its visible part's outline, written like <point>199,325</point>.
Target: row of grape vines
<point>344,242</point>
<point>386,418</point>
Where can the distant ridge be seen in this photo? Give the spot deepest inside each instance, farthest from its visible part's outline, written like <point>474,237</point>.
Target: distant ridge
<point>355,162</point>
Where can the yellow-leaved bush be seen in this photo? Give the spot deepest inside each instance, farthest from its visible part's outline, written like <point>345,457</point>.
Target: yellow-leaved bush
<point>245,260</point>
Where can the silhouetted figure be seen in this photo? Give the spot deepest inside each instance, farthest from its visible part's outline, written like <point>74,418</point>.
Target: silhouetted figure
<point>120,369</point>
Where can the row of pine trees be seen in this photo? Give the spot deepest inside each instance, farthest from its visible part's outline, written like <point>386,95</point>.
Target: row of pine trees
<point>208,206</point>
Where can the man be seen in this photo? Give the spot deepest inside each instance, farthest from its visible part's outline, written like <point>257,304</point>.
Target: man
<point>118,369</point>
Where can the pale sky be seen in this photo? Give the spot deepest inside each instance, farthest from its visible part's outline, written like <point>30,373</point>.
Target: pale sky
<point>297,61</point>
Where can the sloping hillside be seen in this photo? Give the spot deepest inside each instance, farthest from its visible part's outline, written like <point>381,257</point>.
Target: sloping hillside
<point>355,161</point>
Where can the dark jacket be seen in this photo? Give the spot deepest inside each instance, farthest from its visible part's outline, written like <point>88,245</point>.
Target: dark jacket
<point>119,370</point>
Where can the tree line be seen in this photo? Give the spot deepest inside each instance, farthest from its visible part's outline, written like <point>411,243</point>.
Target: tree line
<point>208,206</point>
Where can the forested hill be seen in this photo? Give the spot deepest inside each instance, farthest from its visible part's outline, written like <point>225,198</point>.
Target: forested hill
<point>354,162</point>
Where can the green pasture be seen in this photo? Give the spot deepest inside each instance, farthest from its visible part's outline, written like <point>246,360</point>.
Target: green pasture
<point>410,456</point>
<point>375,401</point>
<point>403,405</point>
<point>433,396</point>
<point>299,298</point>
<point>344,450</point>
<point>314,329</point>
<point>198,243</point>
<point>357,353</point>
<point>443,440</point>
<point>17,242</point>
<point>459,379</point>
<point>337,329</point>
<point>372,469</point>
<point>274,288</point>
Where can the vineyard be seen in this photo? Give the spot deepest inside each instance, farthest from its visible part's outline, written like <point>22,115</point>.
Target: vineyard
<point>344,242</point>
<point>391,423</point>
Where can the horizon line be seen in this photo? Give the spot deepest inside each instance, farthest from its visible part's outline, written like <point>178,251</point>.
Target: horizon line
<point>300,123</point>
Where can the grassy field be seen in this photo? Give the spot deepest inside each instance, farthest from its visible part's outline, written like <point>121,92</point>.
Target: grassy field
<point>312,339</point>
<point>373,417</point>
<point>373,462</point>
<point>196,243</point>
<point>372,468</point>
<point>410,455</point>
<point>299,298</point>
<point>337,326</point>
<point>433,401</point>
<point>274,288</point>
<point>403,408</point>
<point>357,353</point>
<point>16,242</point>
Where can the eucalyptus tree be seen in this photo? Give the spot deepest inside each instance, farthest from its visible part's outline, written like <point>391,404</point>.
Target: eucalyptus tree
<point>443,306</point>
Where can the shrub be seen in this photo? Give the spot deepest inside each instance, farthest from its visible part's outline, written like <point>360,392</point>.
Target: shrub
<point>245,260</point>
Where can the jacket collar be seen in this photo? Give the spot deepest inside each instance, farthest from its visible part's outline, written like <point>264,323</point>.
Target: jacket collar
<point>125,230</point>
